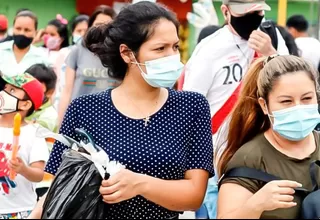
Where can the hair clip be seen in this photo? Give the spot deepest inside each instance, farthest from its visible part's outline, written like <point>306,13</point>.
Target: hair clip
<point>61,19</point>
<point>267,60</point>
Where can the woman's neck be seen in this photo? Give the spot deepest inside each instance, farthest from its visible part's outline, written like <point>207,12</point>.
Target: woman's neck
<point>296,149</point>
<point>19,53</point>
<point>138,89</point>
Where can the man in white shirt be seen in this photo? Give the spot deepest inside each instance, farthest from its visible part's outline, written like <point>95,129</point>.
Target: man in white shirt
<point>220,61</point>
<point>309,47</point>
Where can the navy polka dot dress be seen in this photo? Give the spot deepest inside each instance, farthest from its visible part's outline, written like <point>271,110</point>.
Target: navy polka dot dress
<point>178,138</point>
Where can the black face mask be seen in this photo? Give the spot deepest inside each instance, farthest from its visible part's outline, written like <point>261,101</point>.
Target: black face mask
<point>246,24</point>
<point>22,41</point>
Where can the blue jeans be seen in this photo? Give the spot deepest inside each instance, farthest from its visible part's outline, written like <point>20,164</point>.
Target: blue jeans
<point>208,210</point>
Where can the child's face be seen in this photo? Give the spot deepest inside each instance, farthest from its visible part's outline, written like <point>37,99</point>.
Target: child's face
<point>23,104</point>
<point>14,91</point>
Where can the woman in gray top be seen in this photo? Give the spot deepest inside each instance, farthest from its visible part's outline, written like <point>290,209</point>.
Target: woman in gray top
<point>84,73</point>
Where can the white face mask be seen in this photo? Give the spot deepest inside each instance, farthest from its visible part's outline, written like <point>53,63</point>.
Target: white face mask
<point>163,72</point>
<point>76,38</point>
<point>8,103</point>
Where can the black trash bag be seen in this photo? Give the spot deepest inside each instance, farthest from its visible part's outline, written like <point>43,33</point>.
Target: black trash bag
<point>74,193</point>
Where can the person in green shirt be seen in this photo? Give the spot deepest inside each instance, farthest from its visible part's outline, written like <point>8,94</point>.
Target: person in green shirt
<point>46,116</point>
<point>271,129</point>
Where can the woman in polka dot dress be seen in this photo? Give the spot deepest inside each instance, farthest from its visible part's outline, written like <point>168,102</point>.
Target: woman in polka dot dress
<point>162,136</point>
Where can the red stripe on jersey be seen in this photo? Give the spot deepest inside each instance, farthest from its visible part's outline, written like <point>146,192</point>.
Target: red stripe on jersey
<point>181,80</point>
<point>223,112</point>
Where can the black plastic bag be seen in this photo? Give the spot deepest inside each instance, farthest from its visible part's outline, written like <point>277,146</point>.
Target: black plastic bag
<point>74,192</point>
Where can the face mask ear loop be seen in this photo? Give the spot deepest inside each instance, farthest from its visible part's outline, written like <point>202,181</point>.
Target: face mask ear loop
<point>138,64</point>
<point>269,115</point>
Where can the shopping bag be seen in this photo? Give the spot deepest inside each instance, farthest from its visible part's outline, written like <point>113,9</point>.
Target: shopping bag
<point>74,192</point>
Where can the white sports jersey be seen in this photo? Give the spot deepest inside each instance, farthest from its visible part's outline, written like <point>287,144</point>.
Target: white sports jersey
<point>218,64</point>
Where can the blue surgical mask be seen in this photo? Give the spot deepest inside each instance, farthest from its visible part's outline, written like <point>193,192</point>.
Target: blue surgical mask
<point>76,38</point>
<point>163,72</point>
<point>296,123</point>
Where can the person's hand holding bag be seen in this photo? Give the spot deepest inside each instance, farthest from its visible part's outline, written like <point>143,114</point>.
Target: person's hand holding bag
<point>124,185</point>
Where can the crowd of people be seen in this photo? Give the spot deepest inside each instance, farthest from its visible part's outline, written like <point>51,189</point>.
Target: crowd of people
<point>249,99</point>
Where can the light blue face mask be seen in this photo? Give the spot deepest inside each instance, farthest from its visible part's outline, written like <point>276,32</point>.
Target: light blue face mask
<point>163,72</point>
<point>76,38</point>
<point>296,123</point>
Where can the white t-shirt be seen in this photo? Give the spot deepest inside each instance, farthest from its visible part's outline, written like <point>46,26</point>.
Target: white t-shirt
<point>218,64</point>
<point>309,49</point>
<point>8,62</point>
<point>19,195</point>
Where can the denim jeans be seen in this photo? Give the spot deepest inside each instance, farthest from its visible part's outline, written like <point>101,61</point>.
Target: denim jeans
<point>208,210</point>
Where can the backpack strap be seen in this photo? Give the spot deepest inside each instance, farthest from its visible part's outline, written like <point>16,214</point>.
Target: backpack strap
<point>269,28</point>
<point>251,173</point>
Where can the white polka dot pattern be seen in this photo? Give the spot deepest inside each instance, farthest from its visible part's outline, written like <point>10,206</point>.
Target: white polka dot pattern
<point>178,138</point>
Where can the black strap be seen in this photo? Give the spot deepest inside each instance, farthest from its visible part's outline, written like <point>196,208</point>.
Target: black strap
<point>269,28</point>
<point>251,173</point>
<point>313,174</point>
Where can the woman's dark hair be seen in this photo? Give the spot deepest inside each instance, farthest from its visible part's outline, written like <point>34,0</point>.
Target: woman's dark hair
<point>78,19</point>
<point>102,9</point>
<point>22,9</point>
<point>43,74</point>
<point>133,26</point>
<point>62,30</point>
<point>26,13</point>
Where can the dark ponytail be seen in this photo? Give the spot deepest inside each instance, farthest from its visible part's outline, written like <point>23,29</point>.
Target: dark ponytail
<point>99,42</point>
<point>132,26</point>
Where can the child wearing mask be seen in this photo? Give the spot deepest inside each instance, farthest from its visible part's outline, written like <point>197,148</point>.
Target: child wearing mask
<point>20,94</point>
<point>46,116</point>
<point>56,37</point>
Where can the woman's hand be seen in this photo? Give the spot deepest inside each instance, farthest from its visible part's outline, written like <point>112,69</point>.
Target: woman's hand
<point>38,38</point>
<point>276,195</point>
<point>122,186</point>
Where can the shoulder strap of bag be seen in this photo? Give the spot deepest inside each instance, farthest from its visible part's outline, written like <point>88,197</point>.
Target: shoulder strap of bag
<point>251,173</point>
<point>269,28</point>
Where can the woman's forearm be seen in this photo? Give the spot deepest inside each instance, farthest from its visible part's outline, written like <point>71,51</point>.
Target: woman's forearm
<point>176,195</point>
